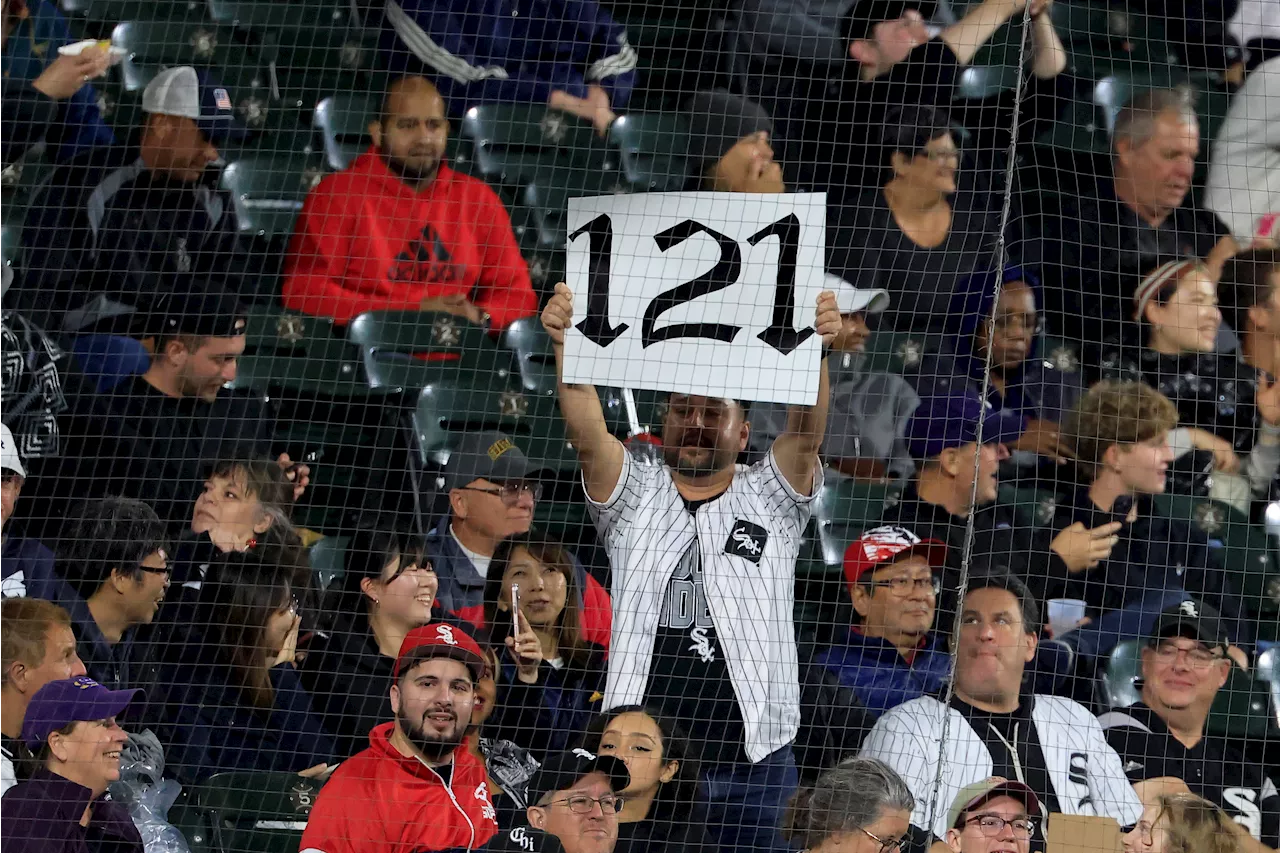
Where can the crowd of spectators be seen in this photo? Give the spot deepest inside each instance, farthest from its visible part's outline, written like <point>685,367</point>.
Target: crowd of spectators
<point>1103,333</point>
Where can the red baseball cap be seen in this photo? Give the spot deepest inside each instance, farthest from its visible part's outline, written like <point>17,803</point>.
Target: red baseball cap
<point>882,545</point>
<point>439,640</point>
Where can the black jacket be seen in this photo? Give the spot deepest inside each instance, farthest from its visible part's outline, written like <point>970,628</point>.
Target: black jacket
<point>111,229</point>
<point>348,679</point>
<point>137,442</point>
<point>833,722</point>
<point>551,714</point>
<point>42,815</point>
<point>1155,555</point>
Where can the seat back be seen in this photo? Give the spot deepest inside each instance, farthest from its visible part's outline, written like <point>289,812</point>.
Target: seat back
<point>268,192</point>
<point>408,349</point>
<point>343,121</point>
<point>1120,675</point>
<point>256,812</point>
<point>652,150</point>
<point>512,144</point>
<point>535,360</point>
<point>328,559</point>
<point>152,45</point>
<point>844,509</point>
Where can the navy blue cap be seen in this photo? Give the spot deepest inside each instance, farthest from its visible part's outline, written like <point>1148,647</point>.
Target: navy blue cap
<point>198,95</point>
<point>951,418</point>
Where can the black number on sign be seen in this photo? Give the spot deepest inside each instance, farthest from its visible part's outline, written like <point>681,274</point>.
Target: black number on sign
<point>782,334</point>
<point>596,324</point>
<point>723,274</point>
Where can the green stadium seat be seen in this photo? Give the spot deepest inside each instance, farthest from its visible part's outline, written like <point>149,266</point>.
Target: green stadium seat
<point>268,192</point>
<point>512,144</point>
<point>979,82</point>
<point>1032,506</point>
<point>539,220</point>
<point>280,14</point>
<point>899,352</point>
<point>328,559</point>
<point>1268,669</point>
<point>446,410</point>
<point>113,11</point>
<point>343,121</point>
<point>391,343</point>
<point>844,510</point>
<point>255,812</point>
<point>534,358</point>
<point>1120,676</point>
<point>1242,709</point>
<point>152,45</point>
<point>331,368</point>
<point>274,332</point>
<point>652,150</point>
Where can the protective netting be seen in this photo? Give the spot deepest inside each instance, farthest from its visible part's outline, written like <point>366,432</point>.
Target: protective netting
<point>946,519</point>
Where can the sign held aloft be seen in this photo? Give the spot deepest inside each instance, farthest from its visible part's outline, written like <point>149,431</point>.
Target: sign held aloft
<point>701,293</point>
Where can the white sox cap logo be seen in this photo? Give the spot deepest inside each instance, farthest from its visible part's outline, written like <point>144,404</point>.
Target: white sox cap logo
<point>1188,608</point>
<point>445,632</point>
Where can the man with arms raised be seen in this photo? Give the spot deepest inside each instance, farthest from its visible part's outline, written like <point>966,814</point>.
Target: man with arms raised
<point>703,556</point>
<point>413,788</point>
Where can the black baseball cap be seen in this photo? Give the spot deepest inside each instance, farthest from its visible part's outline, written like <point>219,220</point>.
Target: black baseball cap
<point>1192,620</point>
<point>563,770</point>
<point>489,455</point>
<point>204,311</point>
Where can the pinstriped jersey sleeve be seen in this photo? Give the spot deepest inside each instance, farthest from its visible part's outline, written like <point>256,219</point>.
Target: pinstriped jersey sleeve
<point>626,498</point>
<point>788,509</point>
<point>900,739</point>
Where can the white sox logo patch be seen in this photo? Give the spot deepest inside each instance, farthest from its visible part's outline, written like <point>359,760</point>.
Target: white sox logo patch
<point>746,540</point>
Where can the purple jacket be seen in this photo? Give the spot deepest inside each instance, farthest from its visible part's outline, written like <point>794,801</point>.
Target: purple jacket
<point>42,815</point>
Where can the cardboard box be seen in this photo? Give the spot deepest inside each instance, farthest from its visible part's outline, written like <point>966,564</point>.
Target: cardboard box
<point>1079,834</point>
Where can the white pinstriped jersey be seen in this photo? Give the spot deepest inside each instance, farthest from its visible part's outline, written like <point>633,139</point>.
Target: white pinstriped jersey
<point>749,537</point>
<point>1086,773</point>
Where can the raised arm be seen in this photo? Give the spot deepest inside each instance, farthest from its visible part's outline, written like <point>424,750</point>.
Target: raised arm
<point>1048,56</point>
<point>970,33</point>
<point>599,453</point>
<point>796,450</point>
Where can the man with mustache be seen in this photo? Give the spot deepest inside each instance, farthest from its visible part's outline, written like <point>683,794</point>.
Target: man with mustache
<point>704,554</point>
<point>414,788</point>
<point>399,230</point>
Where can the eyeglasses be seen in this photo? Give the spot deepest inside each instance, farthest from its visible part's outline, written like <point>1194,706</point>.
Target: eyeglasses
<point>902,587</point>
<point>939,156</point>
<point>992,825</point>
<point>166,571</point>
<point>887,845</point>
<point>609,804</point>
<point>1199,657</point>
<point>511,492</point>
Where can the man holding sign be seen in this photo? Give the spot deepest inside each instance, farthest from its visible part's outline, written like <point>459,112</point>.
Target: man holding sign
<point>703,554</point>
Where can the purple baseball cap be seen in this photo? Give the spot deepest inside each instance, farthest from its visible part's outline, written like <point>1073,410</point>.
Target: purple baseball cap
<point>70,700</point>
<point>950,417</point>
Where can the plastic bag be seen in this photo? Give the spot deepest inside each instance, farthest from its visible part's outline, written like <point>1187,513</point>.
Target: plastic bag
<point>147,795</point>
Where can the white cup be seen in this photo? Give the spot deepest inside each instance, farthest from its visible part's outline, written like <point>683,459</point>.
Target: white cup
<point>1065,614</point>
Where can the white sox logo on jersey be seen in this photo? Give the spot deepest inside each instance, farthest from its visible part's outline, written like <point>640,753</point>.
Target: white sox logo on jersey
<point>747,540</point>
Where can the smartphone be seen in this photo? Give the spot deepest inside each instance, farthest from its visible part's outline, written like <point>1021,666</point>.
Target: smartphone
<point>515,609</point>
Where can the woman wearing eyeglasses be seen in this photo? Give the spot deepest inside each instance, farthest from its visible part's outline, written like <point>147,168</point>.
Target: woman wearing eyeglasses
<point>233,697</point>
<point>387,589</point>
<point>859,806</point>
<point>1185,823</point>
<point>550,678</point>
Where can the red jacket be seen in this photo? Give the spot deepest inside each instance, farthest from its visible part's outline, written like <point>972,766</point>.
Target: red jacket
<point>365,241</point>
<point>379,801</point>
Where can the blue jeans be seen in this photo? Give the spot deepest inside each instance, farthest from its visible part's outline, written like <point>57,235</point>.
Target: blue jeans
<point>745,803</point>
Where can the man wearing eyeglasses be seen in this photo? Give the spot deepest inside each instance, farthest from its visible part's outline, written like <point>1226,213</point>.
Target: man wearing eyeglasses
<point>891,654</point>
<point>492,495</point>
<point>574,807</point>
<point>1163,738</point>
<point>992,816</point>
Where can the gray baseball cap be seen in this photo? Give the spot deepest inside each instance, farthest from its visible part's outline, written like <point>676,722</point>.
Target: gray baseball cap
<point>488,455</point>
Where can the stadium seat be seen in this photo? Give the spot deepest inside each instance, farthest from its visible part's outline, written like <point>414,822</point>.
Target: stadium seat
<point>539,220</point>
<point>535,361</point>
<point>343,121</point>
<point>1242,708</point>
<point>445,410</point>
<point>983,81</point>
<point>255,812</point>
<point>272,332</point>
<point>151,45</point>
<point>844,509</point>
<point>899,352</point>
<point>393,343</point>
<point>1268,669</point>
<point>1033,506</point>
<point>1120,676</point>
<point>268,192</point>
<point>652,150</point>
<point>512,144</point>
<point>328,559</point>
<point>279,14</point>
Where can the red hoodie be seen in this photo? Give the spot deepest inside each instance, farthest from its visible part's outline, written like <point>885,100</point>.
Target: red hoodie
<point>365,241</point>
<point>379,801</point>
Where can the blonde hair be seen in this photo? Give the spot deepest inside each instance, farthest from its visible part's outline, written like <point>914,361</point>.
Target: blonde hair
<point>1195,825</point>
<point>1115,412</point>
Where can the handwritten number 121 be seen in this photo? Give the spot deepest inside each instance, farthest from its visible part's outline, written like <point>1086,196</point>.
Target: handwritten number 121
<point>781,334</point>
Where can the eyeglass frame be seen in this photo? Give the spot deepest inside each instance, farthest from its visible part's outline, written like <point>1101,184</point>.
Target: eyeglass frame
<point>1207,660</point>
<point>511,487</point>
<point>887,583</point>
<point>594,801</point>
<point>887,845</point>
<point>978,818</point>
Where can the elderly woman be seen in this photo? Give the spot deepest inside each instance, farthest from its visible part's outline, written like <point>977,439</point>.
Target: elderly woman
<point>859,806</point>
<point>922,230</point>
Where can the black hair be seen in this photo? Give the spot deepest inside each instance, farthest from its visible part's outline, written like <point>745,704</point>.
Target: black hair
<point>1003,579</point>
<point>907,129</point>
<point>262,478</point>
<point>1246,282</point>
<point>676,800</point>
<point>551,552</point>
<point>105,535</point>
<point>370,550</point>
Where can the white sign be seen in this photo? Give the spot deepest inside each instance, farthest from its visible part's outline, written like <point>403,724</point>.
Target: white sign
<point>702,293</point>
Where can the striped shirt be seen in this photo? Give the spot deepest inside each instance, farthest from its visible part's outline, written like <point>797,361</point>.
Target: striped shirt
<point>749,538</point>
